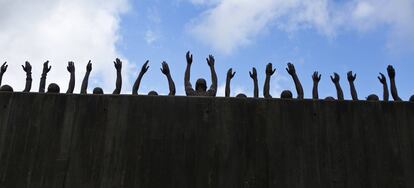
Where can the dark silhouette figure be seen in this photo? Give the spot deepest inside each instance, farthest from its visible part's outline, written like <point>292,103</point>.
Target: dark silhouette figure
<point>152,93</point>
<point>46,69</point>
<point>201,85</point>
<point>166,71</point>
<point>292,71</point>
<point>372,97</point>
<point>412,98</point>
<point>71,69</point>
<point>316,77</point>
<point>339,91</point>
<point>144,69</point>
<point>98,91</point>
<point>84,87</point>
<point>118,67</point>
<point>53,88</point>
<point>253,75</point>
<point>286,94</point>
<point>394,92</point>
<point>6,88</point>
<point>241,95</point>
<point>383,81</point>
<point>230,75</point>
<point>269,72</point>
<point>351,79</point>
<point>329,98</point>
<point>28,69</point>
<point>3,69</point>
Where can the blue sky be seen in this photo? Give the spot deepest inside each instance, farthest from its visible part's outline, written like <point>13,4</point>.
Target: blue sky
<point>319,35</point>
<point>364,52</point>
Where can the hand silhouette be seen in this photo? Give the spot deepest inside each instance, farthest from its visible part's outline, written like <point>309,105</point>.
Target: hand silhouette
<point>316,77</point>
<point>230,74</point>
<point>382,78</point>
<point>118,64</point>
<point>210,61</point>
<point>46,67</point>
<point>4,67</point>
<point>27,68</point>
<point>291,69</point>
<point>336,78</point>
<point>351,77</point>
<point>71,67</point>
<point>391,71</point>
<point>165,69</point>
<point>269,69</point>
<point>189,57</point>
<point>253,73</point>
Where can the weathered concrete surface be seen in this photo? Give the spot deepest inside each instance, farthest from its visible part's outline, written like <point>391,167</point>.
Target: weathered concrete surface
<point>140,141</point>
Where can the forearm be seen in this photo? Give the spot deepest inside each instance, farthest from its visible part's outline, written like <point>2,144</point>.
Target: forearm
<point>394,91</point>
<point>118,83</point>
<point>71,83</point>
<point>298,86</point>
<point>28,82</point>
<point>42,84</point>
<point>315,94</point>
<point>171,85</point>
<point>1,78</point>
<point>353,91</point>
<point>227,92</point>
<point>266,88</point>
<point>339,92</point>
<point>256,89</point>
<point>137,83</point>
<point>213,79</point>
<point>84,86</point>
<point>385,92</point>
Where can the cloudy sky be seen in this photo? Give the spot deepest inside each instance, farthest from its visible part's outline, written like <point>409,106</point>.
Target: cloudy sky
<point>324,35</point>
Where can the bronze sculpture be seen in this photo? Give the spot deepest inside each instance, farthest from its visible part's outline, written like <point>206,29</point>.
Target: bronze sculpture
<point>118,67</point>
<point>144,69</point>
<point>3,69</point>
<point>230,75</point>
<point>201,85</point>
<point>351,79</point>
<point>292,71</point>
<point>71,70</point>
<point>166,71</point>
<point>46,69</point>
<point>391,75</point>
<point>53,88</point>
<point>84,86</point>
<point>269,72</point>
<point>383,81</point>
<point>253,75</point>
<point>316,77</point>
<point>28,69</point>
<point>335,80</point>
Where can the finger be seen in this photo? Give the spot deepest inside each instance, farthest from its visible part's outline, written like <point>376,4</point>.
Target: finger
<point>287,69</point>
<point>23,67</point>
<point>4,63</point>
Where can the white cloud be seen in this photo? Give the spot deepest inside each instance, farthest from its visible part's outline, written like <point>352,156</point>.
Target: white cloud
<point>151,37</point>
<point>229,24</point>
<point>61,31</point>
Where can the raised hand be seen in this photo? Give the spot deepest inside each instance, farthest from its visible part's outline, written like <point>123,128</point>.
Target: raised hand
<point>351,77</point>
<point>89,66</point>
<point>46,67</point>
<point>230,73</point>
<point>253,73</point>
<point>118,64</point>
<point>27,68</point>
<point>71,67</point>
<point>382,78</point>
<point>316,77</point>
<point>291,69</point>
<point>269,69</point>
<point>144,67</point>
<point>3,68</point>
<point>189,57</point>
<point>391,71</point>
<point>165,69</point>
<point>210,61</point>
<point>336,78</point>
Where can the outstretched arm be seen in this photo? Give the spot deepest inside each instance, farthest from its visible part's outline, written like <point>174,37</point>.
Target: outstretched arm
<point>71,69</point>
<point>291,70</point>
<point>339,91</point>
<point>394,92</point>
<point>3,70</point>
<point>351,79</point>
<point>213,88</point>
<point>46,69</point>
<point>118,67</point>
<point>84,86</point>
<point>383,80</point>
<point>188,88</point>
<point>316,77</point>
<point>28,69</point>
<point>269,72</point>
<point>144,69</point>
<point>230,75</point>
<point>253,75</point>
<point>166,71</point>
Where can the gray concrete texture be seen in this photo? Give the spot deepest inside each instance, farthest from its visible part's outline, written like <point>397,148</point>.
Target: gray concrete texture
<point>59,140</point>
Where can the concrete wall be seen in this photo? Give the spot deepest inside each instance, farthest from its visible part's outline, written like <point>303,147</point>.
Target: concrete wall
<point>141,141</point>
